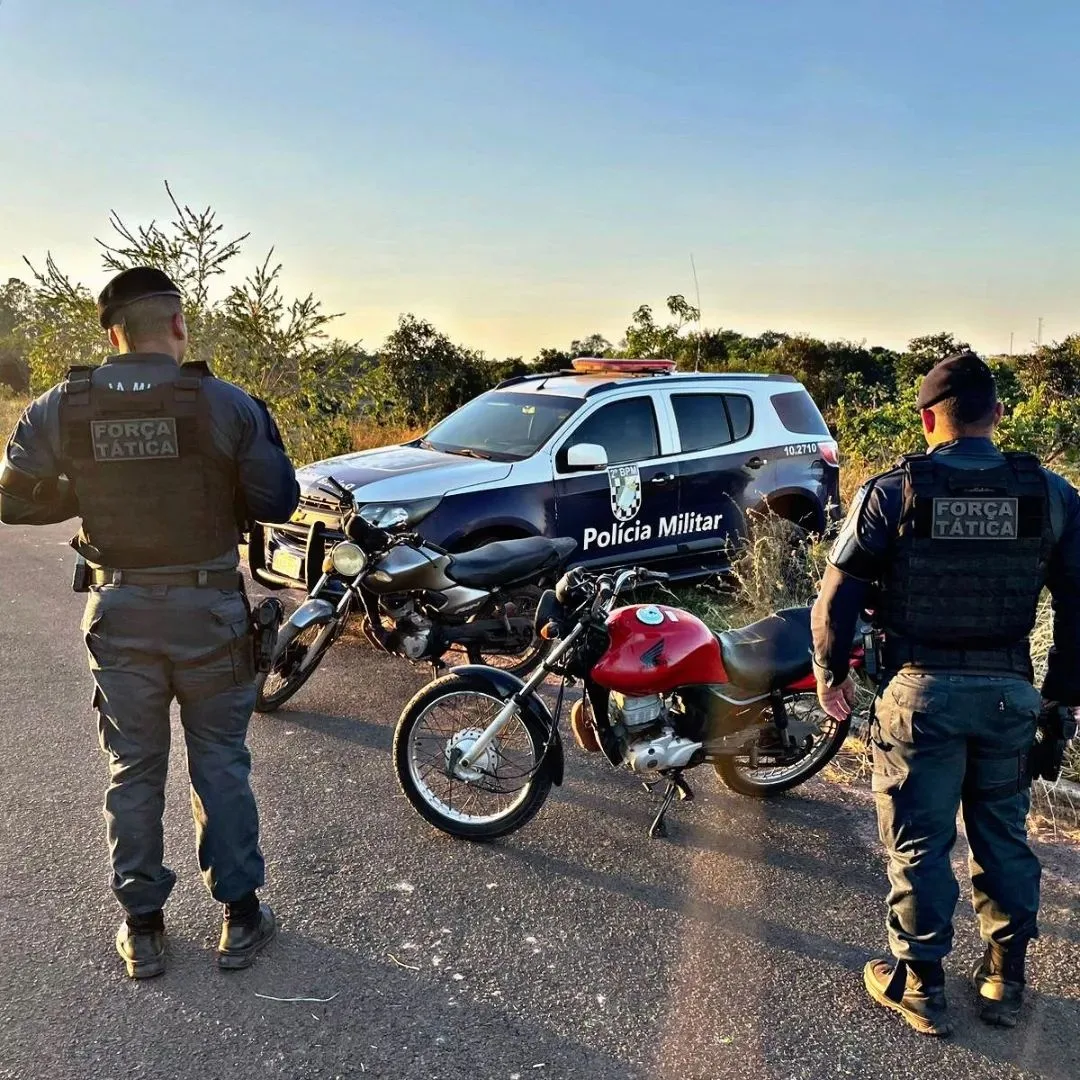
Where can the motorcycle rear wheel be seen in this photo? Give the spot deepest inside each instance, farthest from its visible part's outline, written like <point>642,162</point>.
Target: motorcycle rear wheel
<point>525,601</point>
<point>286,676</point>
<point>765,781</point>
<point>513,761</point>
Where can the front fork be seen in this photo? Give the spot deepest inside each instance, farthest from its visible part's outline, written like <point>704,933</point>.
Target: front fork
<point>333,624</point>
<point>510,709</point>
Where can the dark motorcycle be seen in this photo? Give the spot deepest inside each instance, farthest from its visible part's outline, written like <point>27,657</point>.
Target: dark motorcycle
<point>476,751</point>
<point>414,600</point>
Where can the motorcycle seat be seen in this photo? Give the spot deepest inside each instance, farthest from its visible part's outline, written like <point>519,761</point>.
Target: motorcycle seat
<point>506,561</point>
<point>771,653</point>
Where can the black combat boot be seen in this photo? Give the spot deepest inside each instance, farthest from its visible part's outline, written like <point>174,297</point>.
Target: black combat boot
<point>999,979</point>
<point>248,928</point>
<point>140,941</point>
<point>913,988</point>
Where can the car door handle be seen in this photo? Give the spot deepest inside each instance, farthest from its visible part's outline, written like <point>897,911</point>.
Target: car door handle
<point>662,478</point>
<point>755,463</point>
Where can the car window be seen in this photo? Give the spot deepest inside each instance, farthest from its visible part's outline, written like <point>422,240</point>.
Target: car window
<point>702,421</point>
<point>502,425</point>
<point>625,429</point>
<point>741,414</point>
<point>799,414</point>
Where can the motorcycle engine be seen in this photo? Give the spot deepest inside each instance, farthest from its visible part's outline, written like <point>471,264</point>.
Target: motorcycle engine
<point>649,742</point>
<point>412,631</point>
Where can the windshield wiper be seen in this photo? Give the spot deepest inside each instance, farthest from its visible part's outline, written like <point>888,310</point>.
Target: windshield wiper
<point>458,451</point>
<point>468,451</point>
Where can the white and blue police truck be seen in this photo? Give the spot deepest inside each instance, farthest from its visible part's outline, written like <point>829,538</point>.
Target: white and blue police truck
<point>635,461</point>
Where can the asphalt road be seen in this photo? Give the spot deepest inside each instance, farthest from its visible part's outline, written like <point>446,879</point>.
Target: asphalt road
<point>576,948</point>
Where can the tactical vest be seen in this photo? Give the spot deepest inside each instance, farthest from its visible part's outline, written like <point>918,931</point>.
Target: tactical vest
<point>152,488</point>
<point>968,567</point>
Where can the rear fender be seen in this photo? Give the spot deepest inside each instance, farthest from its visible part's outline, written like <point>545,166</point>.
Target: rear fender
<point>503,685</point>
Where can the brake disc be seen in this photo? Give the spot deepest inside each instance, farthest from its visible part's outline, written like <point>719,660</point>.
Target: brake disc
<point>463,742</point>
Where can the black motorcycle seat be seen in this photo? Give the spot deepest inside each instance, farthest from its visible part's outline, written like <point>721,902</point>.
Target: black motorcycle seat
<point>771,653</point>
<point>506,561</point>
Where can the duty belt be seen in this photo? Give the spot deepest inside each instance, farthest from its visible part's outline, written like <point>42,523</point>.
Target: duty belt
<point>202,579</point>
<point>899,653</point>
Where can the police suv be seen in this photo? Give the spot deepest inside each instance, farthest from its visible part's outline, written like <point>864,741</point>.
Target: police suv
<point>636,462</point>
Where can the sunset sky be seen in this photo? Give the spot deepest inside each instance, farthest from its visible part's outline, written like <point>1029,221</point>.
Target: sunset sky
<point>522,173</point>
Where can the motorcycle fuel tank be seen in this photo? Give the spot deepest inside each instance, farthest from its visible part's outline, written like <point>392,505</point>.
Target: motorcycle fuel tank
<point>405,568</point>
<point>654,649</point>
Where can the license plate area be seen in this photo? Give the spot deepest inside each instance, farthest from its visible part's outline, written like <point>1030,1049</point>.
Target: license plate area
<point>287,564</point>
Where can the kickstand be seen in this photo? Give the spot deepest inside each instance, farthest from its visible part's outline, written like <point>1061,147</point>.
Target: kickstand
<point>676,786</point>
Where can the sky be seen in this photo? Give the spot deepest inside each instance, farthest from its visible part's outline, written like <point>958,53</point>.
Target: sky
<point>525,172</point>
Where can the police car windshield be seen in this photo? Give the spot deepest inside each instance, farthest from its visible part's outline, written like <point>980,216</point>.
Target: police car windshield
<point>502,426</point>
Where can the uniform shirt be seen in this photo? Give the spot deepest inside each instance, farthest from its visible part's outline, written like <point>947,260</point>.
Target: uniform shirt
<point>242,430</point>
<point>860,555</point>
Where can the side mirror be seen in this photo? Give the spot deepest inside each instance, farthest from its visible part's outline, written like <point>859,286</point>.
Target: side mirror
<point>586,457</point>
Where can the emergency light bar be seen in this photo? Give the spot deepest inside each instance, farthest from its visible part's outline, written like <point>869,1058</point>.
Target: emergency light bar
<point>595,365</point>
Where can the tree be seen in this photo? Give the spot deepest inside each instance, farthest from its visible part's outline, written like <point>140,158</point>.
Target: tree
<point>275,348</point>
<point>646,337</point>
<point>924,352</point>
<point>15,308</point>
<point>511,368</point>
<point>421,375</point>
<point>1054,367</point>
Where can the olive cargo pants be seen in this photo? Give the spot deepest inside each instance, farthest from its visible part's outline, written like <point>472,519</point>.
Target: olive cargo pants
<point>148,645</point>
<point>942,742</point>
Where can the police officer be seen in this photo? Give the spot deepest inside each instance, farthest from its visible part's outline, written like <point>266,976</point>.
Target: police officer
<point>161,461</point>
<point>951,551</point>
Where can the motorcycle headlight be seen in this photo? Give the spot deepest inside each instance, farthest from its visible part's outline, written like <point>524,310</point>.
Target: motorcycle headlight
<point>348,560</point>
<point>395,515</point>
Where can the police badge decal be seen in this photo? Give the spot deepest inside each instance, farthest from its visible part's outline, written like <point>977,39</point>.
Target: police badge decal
<point>624,482</point>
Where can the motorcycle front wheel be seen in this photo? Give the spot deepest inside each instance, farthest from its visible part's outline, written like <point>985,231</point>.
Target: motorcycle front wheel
<point>295,660</point>
<point>761,772</point>
<point>501,791</point>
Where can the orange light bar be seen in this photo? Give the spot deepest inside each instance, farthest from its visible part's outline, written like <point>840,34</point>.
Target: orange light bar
<point>646,365</point>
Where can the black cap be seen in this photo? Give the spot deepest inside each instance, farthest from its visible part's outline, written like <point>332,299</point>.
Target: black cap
<point>959,376</point>
<point>138,283</point>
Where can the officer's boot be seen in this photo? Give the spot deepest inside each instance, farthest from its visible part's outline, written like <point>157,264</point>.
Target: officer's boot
<point>913,988</point>
<point>248,928</point>
<point>140,941</point>
<point>999,979</point>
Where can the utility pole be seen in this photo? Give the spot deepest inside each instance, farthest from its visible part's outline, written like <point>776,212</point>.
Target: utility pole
<point>1011,342</point>
<point>1038,339</point>
<point>697,288</point>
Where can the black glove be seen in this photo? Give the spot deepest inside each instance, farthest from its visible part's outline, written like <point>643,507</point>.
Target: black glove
<point>1057,725</point>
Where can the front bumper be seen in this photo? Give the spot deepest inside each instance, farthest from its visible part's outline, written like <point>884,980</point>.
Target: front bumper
<point>290,555</point>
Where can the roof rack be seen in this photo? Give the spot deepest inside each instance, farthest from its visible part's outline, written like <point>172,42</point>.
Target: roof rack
<point>698,377</point>
<point>665,379</point>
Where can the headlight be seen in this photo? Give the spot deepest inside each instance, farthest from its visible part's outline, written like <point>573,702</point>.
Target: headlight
<point>348,560</point>
<point>394,515</point>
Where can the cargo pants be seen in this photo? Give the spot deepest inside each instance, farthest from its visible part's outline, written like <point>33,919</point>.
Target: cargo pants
<point>147,646</point>
<point>941,743</point>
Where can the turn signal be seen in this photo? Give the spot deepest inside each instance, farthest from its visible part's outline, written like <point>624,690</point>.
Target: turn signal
<point>549,631</point>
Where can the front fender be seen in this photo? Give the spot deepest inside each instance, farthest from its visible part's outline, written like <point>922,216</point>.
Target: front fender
<point>311,613</point>
<point>503,685</point>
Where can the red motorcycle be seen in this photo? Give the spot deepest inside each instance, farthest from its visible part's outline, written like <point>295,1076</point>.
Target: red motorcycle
<point>476,751</point>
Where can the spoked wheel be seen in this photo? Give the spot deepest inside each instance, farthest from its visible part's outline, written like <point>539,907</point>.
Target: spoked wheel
<point>765,769</point>
<point>525,601</point>
<point>295,661</point>
<point>499,792</point>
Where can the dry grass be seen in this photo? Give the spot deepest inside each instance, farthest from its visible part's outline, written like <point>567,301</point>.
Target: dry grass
<point>11,407</point>
<point>367,436</point>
